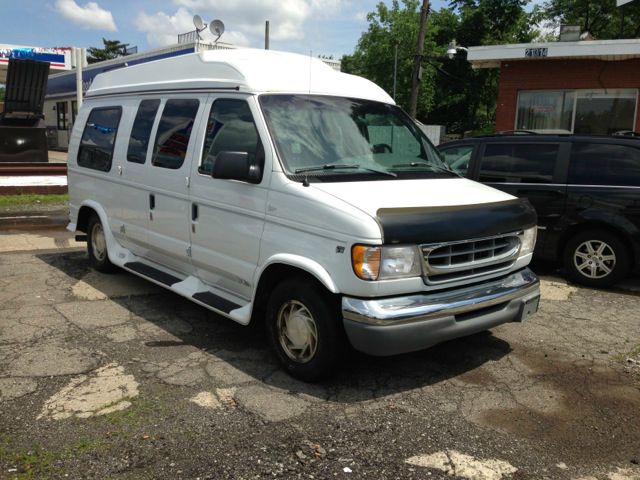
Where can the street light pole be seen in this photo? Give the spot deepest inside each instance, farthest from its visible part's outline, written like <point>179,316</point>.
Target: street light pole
<point>417,62</point>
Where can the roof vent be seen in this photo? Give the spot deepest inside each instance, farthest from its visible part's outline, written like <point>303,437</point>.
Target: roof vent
<point>569,33</point>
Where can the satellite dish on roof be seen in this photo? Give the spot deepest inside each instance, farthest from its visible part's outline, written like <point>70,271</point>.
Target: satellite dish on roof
<point>217,28</point>
<point>198,23</point>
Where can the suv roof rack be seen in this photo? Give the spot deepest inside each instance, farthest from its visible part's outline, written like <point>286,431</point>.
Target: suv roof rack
<point>506,132</point>
<point>517,132</point>
<point>626,133</point>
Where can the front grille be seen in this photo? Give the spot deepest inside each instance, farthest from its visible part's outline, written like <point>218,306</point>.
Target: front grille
<point>449,262</point>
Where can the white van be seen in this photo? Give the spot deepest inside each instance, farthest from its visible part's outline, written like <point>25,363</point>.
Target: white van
<point>267,187</point>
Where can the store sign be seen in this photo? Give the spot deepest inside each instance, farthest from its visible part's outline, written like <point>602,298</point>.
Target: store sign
<point>538,52</point>
<point>58,58</point>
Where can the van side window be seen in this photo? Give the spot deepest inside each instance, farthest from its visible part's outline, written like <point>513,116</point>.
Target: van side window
<point>602,164</point>
<point>518,162</point>
<point>230,128</point>
<point>98,139</point>
<point>141,131</point>
<point>174,132</point>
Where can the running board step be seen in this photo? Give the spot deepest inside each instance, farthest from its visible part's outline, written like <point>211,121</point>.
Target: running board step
<point>215,301</point>
<point>152,273</point>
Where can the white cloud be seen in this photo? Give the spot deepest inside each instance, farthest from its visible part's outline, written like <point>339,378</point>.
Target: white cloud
<point>89,16</point>
<point>244,20</point>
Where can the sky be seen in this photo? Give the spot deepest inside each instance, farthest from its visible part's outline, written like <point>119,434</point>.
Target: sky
<point>323,27</point>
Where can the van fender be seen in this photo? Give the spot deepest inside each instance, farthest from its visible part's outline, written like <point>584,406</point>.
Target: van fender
<point>303,263</point>
<point>114,250</point>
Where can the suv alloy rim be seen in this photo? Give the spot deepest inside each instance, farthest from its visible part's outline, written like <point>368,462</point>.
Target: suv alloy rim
<point>98,242</point>
<point>297,331</point>
<point>594,259</point>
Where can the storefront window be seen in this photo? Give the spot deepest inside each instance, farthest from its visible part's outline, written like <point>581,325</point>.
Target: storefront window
<point>593,112</point>
<point>550,112</point>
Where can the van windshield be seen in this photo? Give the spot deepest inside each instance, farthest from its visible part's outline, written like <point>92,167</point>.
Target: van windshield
<point>328,138</point>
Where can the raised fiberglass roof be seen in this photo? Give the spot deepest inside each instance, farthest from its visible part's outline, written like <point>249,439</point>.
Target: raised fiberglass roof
<point>245,70</point>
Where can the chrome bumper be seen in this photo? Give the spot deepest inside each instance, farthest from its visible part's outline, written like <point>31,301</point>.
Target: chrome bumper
<point>386,326</point>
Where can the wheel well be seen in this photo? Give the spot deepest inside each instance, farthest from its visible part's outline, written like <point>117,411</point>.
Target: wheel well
<point>582,227</point>
<point>83,218</point>
<point>273,275</point>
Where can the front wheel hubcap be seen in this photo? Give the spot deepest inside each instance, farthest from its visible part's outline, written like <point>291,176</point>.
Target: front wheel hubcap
<point>297,331</point>
<point>98,242</point>
<point>594,259</point>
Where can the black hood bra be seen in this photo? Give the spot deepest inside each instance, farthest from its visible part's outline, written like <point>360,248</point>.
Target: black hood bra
<point>422,225</point>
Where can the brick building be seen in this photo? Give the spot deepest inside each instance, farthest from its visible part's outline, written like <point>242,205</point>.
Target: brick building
<point>585,87</point>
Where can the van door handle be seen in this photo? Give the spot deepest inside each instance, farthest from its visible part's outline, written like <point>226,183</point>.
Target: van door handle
<point>119,169</point>
<point>194,217</point>
<point>152,201</point>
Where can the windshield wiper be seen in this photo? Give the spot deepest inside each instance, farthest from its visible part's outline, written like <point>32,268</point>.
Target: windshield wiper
<point>326,166</point>
<point>430,165</point>
<point>340,166</point>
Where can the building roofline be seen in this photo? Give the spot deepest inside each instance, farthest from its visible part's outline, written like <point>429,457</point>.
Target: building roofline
<point>491,56</point>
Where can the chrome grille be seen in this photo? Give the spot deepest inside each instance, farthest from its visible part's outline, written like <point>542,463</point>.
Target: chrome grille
<point>452,261</point>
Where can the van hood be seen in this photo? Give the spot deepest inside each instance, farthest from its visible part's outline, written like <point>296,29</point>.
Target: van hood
<point>434,210</point>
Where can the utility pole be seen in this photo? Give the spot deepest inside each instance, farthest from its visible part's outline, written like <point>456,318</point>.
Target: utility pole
<point>266,35</point>
<point>417,62</point>
<point>395,71</point>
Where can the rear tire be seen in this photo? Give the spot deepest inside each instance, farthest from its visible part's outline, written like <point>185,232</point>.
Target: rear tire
<point>304,329</point>
<point>596,258</point>
<point>97,246</point>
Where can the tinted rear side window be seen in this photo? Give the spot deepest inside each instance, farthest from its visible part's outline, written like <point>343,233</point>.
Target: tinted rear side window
<point>139,141</point>
<point>98,138</point>
<point>174,132</point>
<point>602,164</point>
<point>518,163</point>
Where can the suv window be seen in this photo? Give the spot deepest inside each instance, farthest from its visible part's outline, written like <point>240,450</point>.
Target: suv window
<point>98,138</point>
<point>230,129</point>
<point>141,131</point>
<point>518,162</point>
<point>458,158</point>
<point>604,164</point>
<point>174,132</point>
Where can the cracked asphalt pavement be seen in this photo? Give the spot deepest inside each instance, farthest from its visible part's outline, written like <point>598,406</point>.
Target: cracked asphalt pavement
<point>109,376</point>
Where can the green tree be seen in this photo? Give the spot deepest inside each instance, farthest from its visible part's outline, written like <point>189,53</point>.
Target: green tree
<point>374,54</point>
<point>602,18</point>
<point>451,92</point>
<point>111,49</point>
<point>466,98</point>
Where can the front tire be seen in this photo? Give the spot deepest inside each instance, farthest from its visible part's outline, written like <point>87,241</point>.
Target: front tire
<point>97,246</point>
<point>596,258</point>
<point>304,329</point>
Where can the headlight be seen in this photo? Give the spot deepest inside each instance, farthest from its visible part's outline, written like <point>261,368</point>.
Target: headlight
<point>387,262</point>
<point>528,240</point>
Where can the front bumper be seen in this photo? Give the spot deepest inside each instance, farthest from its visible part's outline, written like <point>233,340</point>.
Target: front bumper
<point>389,326</point>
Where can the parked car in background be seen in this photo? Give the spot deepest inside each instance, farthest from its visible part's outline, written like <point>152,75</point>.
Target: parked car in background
<point>585,189</point>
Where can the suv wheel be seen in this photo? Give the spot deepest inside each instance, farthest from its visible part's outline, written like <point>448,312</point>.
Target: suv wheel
<point>304,329</point>
<point>97,246</point>
<point>596,258</point>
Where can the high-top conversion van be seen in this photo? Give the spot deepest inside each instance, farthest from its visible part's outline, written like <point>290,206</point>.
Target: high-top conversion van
<point>267,187</point>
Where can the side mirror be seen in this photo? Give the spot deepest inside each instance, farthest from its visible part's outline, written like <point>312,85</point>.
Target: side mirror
<point>236,166</point>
